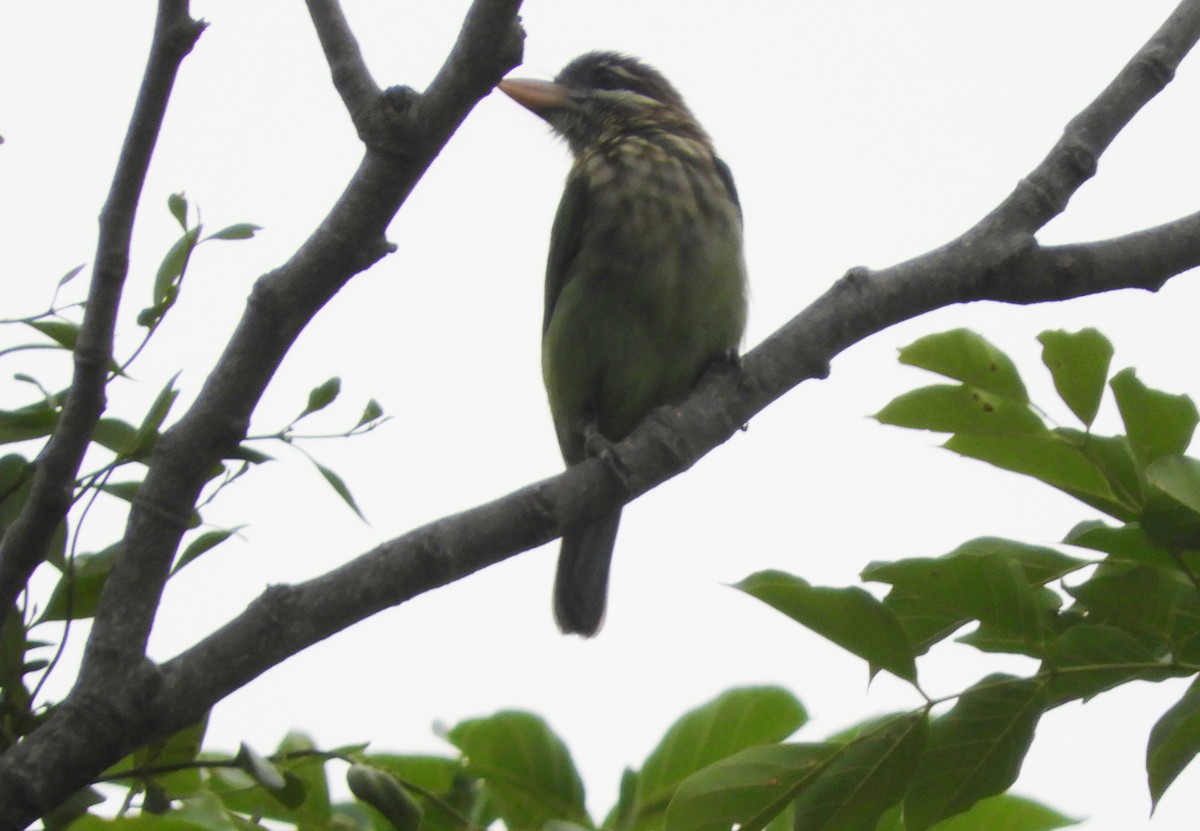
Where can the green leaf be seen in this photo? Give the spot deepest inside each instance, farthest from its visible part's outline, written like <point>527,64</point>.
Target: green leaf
<point>1079,363</point>
<point>62,332</point>
<point>987,637</point>
<point>850,617</point>
<point>302,801</point>
<point>77,593</point>
<point>928,618</point>
<point>56,553</point>
<point>454,793</point>
<point>263,772</point>
<point>729,723</point>
<point>528,769</point>
<point>1055,459</point>
<point>371,412</point>
<point>321,396</point>
<point>158,411</point>
<point>965,356</point>
<point>624,813</point>
<point>1006,813</point>
<point>202,544</point>
<point>1040,565</point>
<point>957,408</point>
<point>1114,458</point>
<point>246,453</point>
<point>172,268</point>
<point>381,791</point>
<point>122,490</point>
<point>1089,659</point>
<point>1172,515</point>
<point>1125,543</point>
<point>29,423</point>
<point>14,472</point>
<point>975,750</point>
<point>307,771</point>
<point>867,779</point>
<point>1140,599</point>
<point>177,205</point>
<point>118,436</point>
<point>925,621</point>
<point>338,485</point>
<point>179,748</point>
<point>70,275</point>
<point>1185,634</point>
<point>746,789</point>
<point>145,821</point>
<point>205,811</point>
<point>242,230</point>
<point>72,813</point>
<point>147,433</point>
<point>989,588</point>
<point>1158,424</point>
<point>1174,742</point>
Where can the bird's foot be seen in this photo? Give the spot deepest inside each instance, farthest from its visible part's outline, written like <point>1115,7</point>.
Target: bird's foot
<point>726,364</point>
<point>729,365</point>
<point>598,446</point>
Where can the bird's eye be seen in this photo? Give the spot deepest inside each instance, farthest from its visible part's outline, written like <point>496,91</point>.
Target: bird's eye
<point>608,78</point>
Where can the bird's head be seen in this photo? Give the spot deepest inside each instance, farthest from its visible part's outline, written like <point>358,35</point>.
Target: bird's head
<point>603,96</point>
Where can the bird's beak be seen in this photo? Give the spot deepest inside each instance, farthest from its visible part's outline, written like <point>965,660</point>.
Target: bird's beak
<point>539,97</point>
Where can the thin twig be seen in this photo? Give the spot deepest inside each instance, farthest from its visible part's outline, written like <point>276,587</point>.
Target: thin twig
<point>351,78</point>
<point>25,541</point>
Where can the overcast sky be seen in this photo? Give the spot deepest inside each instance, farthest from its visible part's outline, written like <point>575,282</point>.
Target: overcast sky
<point>860,133</point>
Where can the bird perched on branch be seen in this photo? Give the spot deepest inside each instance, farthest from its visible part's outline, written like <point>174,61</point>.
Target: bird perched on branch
<point>645,284</point>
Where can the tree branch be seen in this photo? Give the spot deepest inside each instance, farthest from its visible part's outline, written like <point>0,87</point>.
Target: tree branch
<point>1044,193</point>
<point>997,259</point>
<point>287,619</point>
<point>25,542</point>
<point>110,710</point>
<point>351,78</point>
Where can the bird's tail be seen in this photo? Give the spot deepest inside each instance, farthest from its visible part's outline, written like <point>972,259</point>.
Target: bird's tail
<point>581,586</point>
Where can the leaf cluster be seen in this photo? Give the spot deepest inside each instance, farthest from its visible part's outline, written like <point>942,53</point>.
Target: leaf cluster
<point>121,449</point>
<point>1123,606</point>
<point>509,767</point>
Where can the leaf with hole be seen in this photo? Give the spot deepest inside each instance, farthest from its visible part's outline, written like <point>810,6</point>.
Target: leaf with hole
<point>966,356</point>
<point>959,408</point>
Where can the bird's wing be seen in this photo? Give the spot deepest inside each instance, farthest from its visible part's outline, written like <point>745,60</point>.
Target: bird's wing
<point>564,241</point>
<point>727,177</point>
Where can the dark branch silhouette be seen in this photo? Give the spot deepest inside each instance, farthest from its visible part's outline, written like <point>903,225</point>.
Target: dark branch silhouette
<point>122,700</point>
<point>117,703</point>
<point>26,540</point>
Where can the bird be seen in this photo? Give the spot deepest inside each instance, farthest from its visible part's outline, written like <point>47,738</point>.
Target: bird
<point>646,282</point>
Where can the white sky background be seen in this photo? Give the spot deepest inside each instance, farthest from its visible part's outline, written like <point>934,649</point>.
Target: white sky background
<point>860,133</point>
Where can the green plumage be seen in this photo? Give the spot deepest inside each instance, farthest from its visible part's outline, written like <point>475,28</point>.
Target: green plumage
<point>645,283</point>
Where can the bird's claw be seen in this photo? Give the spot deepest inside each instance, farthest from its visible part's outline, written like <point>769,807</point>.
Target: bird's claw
<point>598,446</point>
